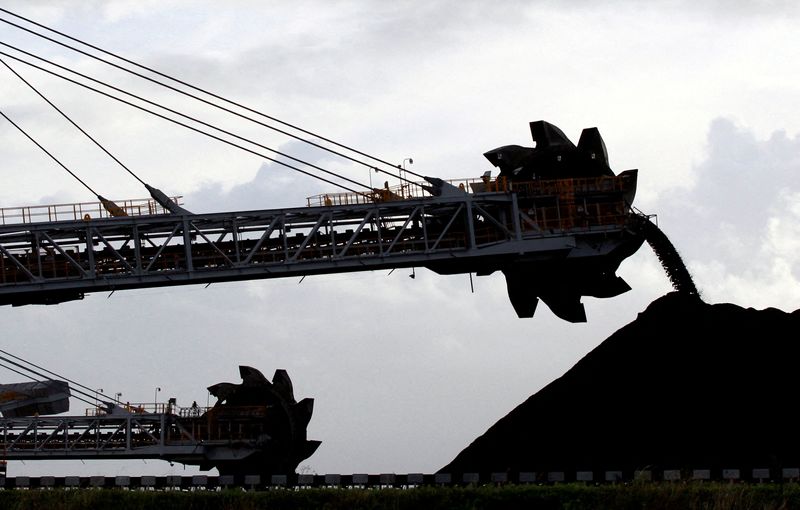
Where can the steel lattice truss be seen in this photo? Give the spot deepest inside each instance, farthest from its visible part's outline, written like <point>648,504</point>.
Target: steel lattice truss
<point>57,261</point>
<point>133,436</point>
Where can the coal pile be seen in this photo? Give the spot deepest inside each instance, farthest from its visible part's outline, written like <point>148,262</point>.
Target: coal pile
<point>687,385</point>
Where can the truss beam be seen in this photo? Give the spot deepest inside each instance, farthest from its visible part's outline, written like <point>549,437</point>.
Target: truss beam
<point>56,261</point>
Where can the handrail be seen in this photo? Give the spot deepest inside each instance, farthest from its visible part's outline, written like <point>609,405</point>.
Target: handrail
<point>404,191</point>
<point>80,211</point>
<point>561,187</point>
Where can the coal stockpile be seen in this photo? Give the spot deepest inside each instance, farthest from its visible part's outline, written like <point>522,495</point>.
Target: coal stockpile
<point>687,385</point>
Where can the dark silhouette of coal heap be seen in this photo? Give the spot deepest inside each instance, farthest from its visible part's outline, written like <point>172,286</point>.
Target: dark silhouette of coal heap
<point>687,385</point>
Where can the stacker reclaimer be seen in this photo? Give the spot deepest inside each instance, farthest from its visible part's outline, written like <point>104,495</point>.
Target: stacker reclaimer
<point>256,427</point>
<point>556,221</point>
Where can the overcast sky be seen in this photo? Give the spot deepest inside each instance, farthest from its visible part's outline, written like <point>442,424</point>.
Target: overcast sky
<point>702,97</point>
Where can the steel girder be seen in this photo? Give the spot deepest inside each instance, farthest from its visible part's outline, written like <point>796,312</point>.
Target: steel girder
<point>111,436</point>
<point>52,262</point>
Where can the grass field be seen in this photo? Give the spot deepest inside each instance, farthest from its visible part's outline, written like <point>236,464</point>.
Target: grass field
<point>715,496</point>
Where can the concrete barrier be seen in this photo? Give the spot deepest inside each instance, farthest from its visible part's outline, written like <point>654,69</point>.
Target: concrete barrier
<point>305,480</point>
<point>499,477</point>
<point>252,480</point>
<point>415,479</point>
<point>471,478</point>
<point>731,474</point>
<point>363,480</point>
<point>199,481</point>
<point>226,480</point>
<point>443,478</point>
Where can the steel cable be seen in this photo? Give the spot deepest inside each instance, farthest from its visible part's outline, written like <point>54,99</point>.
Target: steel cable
<point>49,154</point>
<point>26,82</point>
<point>182,124</point>
<point>210,103</point>
<point>175,112</point>
<point>44,376</point>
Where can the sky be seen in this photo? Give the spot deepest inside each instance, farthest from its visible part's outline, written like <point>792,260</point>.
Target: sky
<point>702,97</point>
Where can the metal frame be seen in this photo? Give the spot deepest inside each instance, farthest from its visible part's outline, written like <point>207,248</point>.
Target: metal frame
<point>42,260</point>
<point>147,435</point>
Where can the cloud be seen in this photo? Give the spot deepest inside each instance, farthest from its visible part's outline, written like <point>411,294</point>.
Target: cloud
<point>275,186</point>
<point>738,222</point>
<point>392,41</point>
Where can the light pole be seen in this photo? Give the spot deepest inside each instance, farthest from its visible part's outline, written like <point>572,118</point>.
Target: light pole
<point>96,396</point>
<point>118,397</point>
<point>404,175</point>
<point>155,399</point>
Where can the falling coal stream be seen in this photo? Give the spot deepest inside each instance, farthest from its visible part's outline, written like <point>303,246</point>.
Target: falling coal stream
<point>669,257</point>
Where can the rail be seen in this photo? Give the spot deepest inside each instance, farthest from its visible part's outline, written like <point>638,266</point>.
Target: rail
<point>544,187</point>
<point>406,191</point>
<point>148,407</point>
<point>79,211</point>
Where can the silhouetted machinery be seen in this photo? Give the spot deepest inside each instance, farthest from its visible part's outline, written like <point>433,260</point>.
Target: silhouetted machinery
<point>571,198</point>
<point>256,427</point>
<point>556,221</point>
<point>37,397</point>
<point>263,419</point>
<point>554,156</point>
<point>561,283</point>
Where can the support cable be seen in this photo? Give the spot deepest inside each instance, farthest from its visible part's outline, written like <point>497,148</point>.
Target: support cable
<point>18,372</point>
<point>175,112</point>
<point>181,124</point>
<point>112,208</point>
<point>49,154</point>
<point>43,376</point>
<point>210,103</point>
<point>34,365</point>
<point>56,108</point>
